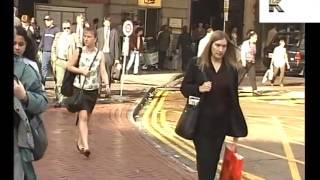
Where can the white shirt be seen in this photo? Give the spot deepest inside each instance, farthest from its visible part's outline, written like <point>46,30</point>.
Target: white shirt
<point>203,43</point>
<point>279,56</point>
<point>63,44</point>
<point>106,34</point>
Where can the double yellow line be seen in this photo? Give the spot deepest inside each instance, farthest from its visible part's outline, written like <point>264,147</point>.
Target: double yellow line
<point>154,121</point>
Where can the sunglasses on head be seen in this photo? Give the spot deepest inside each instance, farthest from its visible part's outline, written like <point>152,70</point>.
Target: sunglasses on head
<point>66,27</point>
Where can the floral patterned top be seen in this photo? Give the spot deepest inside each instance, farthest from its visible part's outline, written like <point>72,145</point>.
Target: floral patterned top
<point>92,81</point>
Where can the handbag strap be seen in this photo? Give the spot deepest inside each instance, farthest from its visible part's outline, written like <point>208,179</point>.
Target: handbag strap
<point>95,57</point>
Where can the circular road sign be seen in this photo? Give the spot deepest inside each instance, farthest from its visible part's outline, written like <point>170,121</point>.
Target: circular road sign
<point>127,28</point>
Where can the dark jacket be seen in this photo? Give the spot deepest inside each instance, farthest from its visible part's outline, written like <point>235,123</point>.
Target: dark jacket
<point>133,43</point>
<point>237,126</point>
<point>47,38</point>
<point>163,40</point>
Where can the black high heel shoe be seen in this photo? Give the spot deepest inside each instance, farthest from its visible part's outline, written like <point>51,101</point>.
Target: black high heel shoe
<point>86,152</point>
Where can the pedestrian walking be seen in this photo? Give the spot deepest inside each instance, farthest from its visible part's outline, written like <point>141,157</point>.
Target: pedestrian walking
<point>136,48</point>
<point>248,59</point>
<point>185,42</point>
<point>79,29</point>
<point>163,41</point>
<point>64,44</point>
<point>29,99</point>
<point>36,28</point>
<point>90,81</point>
<point>108,43</point>
<point>16,20</point>
<point>234,36</point>
<point>279,60</point>
<point>213,77</point>
<point>45,46</point>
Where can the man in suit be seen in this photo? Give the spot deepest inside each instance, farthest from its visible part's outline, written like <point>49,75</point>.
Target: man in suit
<point>108,43</point>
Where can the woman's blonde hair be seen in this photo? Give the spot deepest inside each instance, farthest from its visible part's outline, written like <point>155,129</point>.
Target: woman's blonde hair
<point>229,57</point>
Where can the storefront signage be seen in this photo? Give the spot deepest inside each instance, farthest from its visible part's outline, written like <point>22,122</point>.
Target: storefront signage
<point>95,1</point>
<point>175,22</point>
<point>150,3</point>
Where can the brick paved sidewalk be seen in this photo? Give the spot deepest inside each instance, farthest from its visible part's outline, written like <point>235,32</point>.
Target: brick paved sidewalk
<point>118,149</point>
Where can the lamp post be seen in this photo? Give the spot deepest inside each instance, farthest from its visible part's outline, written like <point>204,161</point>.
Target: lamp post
<point>225,12</point>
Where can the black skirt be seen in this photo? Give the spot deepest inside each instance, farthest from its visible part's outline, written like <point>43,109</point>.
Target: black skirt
<point>89,99</point>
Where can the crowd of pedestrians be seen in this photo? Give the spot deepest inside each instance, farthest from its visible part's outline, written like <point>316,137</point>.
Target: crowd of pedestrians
<point>91,51</point>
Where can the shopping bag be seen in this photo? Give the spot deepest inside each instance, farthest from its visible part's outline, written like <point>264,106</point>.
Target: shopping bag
<point>232,165</point>
<point>116,71</point>
<point>268,75</point>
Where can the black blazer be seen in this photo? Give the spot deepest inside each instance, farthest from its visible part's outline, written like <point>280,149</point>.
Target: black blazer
<point>190,87</point>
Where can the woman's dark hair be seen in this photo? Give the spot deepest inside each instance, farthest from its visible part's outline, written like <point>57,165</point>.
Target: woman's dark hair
<point>138,29</point>
<point>30,51</point>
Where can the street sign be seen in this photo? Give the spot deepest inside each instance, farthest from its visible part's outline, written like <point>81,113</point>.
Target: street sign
<point>127,28</point>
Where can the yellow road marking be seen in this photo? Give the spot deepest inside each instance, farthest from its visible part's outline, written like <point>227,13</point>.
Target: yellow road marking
<point>169,137</point>
<point>259,115</point>
<point>155,131</point>
<point>269,153</point>
<point>287,149</point>
<point>267,118</point>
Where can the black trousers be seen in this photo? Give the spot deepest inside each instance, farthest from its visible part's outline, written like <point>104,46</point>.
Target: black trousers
<point>162,58</point>
<point>250,69</point>
<point>208,150</point>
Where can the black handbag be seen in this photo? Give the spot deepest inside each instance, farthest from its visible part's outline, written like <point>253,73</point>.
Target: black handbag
<point>74,103</point>
<point>187,122</point>
<point>68,79</point>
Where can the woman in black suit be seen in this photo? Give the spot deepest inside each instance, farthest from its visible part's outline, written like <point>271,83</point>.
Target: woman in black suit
<point>213,77</point>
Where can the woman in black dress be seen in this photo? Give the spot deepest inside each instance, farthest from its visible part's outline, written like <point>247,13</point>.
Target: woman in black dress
<point>213,77</point>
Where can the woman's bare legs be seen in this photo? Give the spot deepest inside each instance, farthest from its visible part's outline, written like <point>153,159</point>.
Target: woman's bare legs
<point>83,128</point>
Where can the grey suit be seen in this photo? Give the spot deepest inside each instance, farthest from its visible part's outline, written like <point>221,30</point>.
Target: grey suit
<point>113,45</point>
<point>113,42</point>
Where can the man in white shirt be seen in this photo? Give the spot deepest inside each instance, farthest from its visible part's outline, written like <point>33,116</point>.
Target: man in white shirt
<point>64,44</point>
<point>279,61</point>
<point>204,41</point>
<point>108,43</point>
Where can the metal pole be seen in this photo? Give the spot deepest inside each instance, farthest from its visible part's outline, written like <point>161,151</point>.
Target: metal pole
<point>123,70</point>
<point>225,13</point>
<point>125,48</point>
